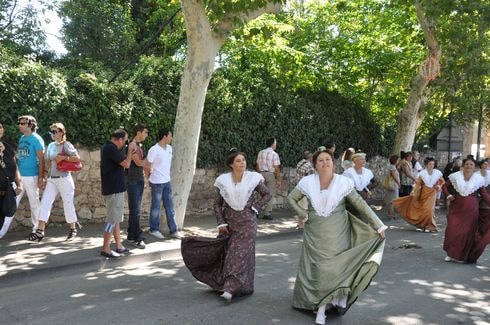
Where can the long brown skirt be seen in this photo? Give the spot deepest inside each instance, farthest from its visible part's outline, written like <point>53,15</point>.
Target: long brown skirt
<point>418,210</point>
<point>225,264</point>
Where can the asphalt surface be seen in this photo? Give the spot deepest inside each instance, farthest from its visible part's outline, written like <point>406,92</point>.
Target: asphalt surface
<point>58,282</point>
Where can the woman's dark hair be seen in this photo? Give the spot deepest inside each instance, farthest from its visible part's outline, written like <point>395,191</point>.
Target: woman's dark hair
<point>481,162</point>
<point>318,152</point>
<point>429,159</point>
<point>470,159</point>
<point>393,159</point>
<point>232,154</point>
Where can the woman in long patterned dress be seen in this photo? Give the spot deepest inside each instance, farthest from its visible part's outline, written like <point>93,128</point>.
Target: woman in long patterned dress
<point>341,254</point>
<point>462,191</point>
<point>418,208</point>
<point>227,263</point>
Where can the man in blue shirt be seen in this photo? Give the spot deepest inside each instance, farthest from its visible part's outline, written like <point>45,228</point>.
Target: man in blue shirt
<point>30,158</point>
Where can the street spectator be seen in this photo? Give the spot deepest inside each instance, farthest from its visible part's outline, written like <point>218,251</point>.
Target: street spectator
<point>406,175</point>
<point>112,165</point>
<point>346,159</point>
<point>135,184</point>
<point>8,173</point>
<point>160,160</point>
<point>341,254</point>
<point>303,168</point>
<point>392,193</point>
<point>416,166</point>
<point>30,159</point>
<point>58,182</point>
<point>418,208</point>
<point>227,263</point>
<point>462,190</point>
<point>362,177</point>
<point>269,165</point>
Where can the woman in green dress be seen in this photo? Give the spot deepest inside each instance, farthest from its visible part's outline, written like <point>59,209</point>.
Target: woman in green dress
<point>341,253</point>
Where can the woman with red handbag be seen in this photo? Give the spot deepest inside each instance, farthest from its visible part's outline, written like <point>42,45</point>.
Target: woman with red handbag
<point>61,158</point>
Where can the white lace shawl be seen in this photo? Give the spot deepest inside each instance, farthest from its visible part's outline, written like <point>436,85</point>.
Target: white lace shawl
<point>361,181</point>
<point>430,180</point>
<point>486,178</point>
<point>466,188</point>
<point>325,201</point>
<point>237,195</point>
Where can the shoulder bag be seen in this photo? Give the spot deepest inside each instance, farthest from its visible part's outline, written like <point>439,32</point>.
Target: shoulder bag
<point>68,166</point>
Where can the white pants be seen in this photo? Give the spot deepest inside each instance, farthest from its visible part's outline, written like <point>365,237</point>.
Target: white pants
<point>30,187</point>
<point>66,188</point>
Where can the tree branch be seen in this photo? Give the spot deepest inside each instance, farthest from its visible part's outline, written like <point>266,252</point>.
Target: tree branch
<point>429,31</point>
<point>228,23</point>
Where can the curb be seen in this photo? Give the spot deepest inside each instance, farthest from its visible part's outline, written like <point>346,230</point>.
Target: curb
<point>95,262</point>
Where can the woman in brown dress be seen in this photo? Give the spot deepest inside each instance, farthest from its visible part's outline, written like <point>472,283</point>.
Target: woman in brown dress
<point>227,263</point>
<point>418,208</point>
<point>462,191</point>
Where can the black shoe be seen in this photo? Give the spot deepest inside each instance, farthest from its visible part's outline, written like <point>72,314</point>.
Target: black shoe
<point>268,217</point>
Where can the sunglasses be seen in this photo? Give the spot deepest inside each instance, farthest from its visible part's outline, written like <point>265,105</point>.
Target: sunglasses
<point>54,131</point>
<point>22,123</point>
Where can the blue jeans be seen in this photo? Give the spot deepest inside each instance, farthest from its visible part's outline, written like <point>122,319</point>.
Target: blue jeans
<point>162,192</point>
<point>135,195</point>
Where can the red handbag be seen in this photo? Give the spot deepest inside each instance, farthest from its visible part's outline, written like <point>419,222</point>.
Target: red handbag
<point>68,166</point>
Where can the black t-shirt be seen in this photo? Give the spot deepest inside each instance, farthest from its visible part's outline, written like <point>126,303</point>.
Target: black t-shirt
<point>111,172</point>
<point>8,166</point>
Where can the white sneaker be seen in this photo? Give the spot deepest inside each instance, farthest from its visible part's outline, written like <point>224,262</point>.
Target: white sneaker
<point>227,296</point>
<point>176,235</point>
<point>157,234</point>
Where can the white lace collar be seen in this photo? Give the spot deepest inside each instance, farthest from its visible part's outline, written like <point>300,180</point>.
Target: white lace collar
<point>361,181</point>
<point>237,195</point>
<point>486,178</point>
<point>430,180</point>
<point>463,187</point>
<point>325,201</point>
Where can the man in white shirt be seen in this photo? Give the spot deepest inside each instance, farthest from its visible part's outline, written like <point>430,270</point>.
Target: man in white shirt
<point>160,158</point>
<point>269,165</point>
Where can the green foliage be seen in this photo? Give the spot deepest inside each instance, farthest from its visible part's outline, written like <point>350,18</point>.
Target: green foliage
<point>20,27</point>
<point>27,87</point>
<point>89,106</point>
<point>98,30</point>
<point>244,112</point>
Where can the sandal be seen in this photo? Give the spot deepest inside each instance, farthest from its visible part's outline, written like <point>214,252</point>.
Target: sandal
<point>38,235</point>
<point>72,234</point>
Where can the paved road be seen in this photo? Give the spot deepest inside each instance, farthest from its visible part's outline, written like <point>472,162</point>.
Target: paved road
<point>413,286</point>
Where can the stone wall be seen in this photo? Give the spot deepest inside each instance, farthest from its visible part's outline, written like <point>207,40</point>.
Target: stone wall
<point>90,205</point>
